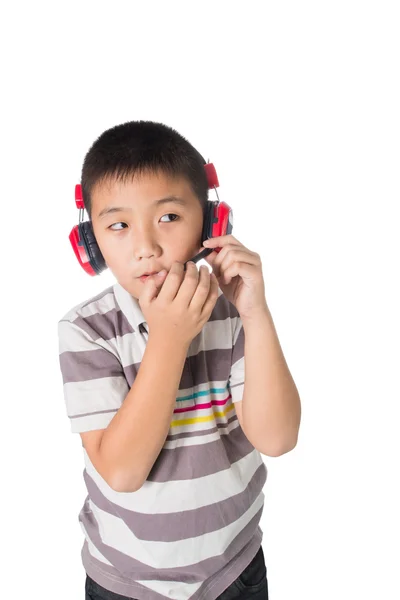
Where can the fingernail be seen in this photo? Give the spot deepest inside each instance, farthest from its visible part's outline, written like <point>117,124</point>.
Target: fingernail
<point>161,273</point>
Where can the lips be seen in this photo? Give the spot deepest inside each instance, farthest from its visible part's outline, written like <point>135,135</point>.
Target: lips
<point>150,273</point>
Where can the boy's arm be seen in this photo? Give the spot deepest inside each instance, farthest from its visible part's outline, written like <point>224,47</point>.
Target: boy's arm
<point>134,438</point>
<point>122,430</point>
<point>271,408</point>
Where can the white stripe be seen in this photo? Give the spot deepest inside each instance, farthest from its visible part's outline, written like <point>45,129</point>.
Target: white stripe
<point>237,325</point>
<point>91,422</point>
<point>95,394</point>
<point>71,338</point>
<point>237,393</point>
<point>92,548</point>
<point>237,375</point>
<point>215,335</point>
<point>129,305</point>
<point>129,347</point>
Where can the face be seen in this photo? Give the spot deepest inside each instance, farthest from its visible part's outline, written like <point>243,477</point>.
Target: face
<point>144,225</point>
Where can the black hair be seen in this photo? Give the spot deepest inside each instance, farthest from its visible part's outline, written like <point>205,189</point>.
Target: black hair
<point>139,147</point>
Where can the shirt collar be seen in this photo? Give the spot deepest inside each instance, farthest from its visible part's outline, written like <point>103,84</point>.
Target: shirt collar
<point>130,307</point>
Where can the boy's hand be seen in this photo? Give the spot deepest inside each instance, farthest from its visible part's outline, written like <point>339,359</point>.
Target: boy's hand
<point>239,274</point>
<point>183,304</point>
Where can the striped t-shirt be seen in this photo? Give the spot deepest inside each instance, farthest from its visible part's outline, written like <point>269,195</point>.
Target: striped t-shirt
<point>193,526</point>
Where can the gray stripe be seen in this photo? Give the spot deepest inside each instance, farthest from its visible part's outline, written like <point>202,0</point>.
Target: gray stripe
<point>207,365</point>
<point>106,325</point>
<point>137,570</point>
<point>89,364</point>
<point>184,524</point>
<point>191,462</point>
<point>223,309</point>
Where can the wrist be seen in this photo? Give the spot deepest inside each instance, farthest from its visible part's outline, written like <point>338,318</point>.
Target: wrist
<point>168,343</point>
<point>255,315</point>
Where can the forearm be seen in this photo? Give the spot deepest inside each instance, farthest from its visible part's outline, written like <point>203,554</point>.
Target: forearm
<point>271,404</point>
<point>134,438</point>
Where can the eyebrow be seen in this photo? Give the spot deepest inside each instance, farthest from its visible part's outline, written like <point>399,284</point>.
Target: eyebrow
<point>168,199</point>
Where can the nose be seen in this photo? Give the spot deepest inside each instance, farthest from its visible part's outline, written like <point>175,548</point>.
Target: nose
<point>145,244</point>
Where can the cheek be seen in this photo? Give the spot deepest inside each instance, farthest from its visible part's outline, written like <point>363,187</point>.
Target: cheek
<point>111,248</point>
<point>191,236</point>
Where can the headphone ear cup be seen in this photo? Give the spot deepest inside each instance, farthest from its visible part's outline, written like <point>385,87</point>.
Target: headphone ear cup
<point>93,251</point>
<point>208,221</point>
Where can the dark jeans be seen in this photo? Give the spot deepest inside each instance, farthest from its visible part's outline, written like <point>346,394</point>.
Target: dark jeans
<point>251,584</point>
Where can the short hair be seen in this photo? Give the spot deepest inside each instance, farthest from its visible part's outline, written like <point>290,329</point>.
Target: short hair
<point>140,147</point>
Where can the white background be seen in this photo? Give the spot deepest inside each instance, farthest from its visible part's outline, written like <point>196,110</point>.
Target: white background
<point>297,104</point>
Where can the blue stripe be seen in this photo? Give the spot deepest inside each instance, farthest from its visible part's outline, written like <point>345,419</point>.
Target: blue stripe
<point>204,393</point>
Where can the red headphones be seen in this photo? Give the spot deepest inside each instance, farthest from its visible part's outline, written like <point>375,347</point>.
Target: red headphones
<point>218,221</point>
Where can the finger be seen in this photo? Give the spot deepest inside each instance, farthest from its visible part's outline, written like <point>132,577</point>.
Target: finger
<point>152,287</point>
<point>237,256</point>
<point>172,282</point>
<point>189,284</point>
<point>211,298</point>
<point>202,290</point>
<point>221,241</point>
<point>216,259</point>
<point>245,271</point>
<point>232,249</point>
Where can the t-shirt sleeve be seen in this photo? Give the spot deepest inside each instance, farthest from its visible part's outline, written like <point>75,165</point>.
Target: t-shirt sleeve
<point>94,383</point>
<point>236,378</point>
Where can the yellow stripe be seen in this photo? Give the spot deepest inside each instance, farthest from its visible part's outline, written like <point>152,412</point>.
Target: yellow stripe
<point>203,419</point>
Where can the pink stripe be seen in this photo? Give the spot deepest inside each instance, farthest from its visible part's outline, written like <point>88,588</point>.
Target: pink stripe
<point>208,405</point>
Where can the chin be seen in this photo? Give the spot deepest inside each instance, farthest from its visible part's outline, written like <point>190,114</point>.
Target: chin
<point>131,286</point>
<point>134,289</point>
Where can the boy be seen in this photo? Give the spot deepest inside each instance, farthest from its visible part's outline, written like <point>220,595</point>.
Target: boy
<point>171,421</point>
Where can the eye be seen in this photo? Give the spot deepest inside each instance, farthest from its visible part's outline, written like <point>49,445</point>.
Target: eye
<point>170,215</point>
<point>119,228</point>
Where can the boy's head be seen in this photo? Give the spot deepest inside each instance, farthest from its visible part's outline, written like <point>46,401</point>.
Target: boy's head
<point>145,190</point>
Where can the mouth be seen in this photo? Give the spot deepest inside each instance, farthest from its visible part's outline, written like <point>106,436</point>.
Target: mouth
<point>146,275</point>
